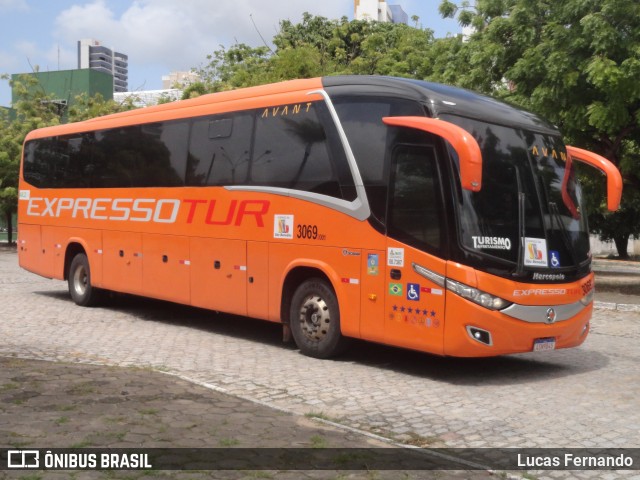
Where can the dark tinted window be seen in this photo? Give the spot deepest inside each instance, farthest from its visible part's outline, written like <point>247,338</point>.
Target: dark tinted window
<point>56,162</point>
<point>292,150</point>
<point>415,211</point>
<point>219,150</point>
<point>370,140</point>
<point>151,155</point>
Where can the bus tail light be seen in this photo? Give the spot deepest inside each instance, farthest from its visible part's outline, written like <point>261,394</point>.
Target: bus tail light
<point>479,297</point>
<point>587,299</point>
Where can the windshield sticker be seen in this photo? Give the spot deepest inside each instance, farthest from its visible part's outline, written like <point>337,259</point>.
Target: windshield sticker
<point>282,226</point>
<point>372,264</point>
<point>535,252</point>
<point>395,257</point>
<point>554,258</point>
<point>491,243</point>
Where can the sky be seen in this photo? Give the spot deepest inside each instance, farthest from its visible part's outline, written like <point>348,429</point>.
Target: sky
<point>159,36</point>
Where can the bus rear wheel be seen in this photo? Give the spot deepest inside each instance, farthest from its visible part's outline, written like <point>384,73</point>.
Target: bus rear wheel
<point>79,280</point>
<point>315,320</point>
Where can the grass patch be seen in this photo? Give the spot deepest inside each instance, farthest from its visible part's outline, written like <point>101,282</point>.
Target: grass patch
<point>320,415</point>
<point>317,441</point>
<point>228,442</point>
<point>258,474</point>
<point>61,420</point>
<point>84,388</point>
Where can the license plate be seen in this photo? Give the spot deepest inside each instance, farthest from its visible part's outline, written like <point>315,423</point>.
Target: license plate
<point>544,344</point>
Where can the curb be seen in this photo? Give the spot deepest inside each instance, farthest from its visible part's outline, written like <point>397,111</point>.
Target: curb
<point>621,307</point>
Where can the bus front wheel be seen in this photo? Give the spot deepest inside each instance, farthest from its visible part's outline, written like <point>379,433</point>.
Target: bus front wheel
<point>79,279</point>
<point>315,320</point>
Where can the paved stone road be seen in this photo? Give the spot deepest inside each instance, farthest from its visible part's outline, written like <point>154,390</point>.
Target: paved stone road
<point>65,405</point>
<point>584,397</point>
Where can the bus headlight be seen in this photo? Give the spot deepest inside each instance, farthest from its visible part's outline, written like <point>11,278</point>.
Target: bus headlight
<point>479,297</point>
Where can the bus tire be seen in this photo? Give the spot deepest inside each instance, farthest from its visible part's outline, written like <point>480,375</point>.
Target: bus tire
<point>315,320</point>
<point>79,280</point>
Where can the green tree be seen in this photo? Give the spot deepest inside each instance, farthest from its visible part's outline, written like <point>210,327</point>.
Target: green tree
<point>576,62</point>
<point>318,46</point>
<point>234,67</point>
<point>34,109</point>
<point>194,90</point>
<point>85,107</point>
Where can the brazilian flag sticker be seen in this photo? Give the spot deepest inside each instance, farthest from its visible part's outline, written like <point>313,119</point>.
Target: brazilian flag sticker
<point>395,289</point>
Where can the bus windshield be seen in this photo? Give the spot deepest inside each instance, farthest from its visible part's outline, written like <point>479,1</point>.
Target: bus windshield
<point>529,190</point>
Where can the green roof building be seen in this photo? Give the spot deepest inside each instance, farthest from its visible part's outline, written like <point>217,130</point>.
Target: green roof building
<point>64,85</point>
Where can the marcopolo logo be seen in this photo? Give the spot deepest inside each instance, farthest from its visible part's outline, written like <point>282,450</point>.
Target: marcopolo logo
<point>548,276</point>
<point>491,243</point>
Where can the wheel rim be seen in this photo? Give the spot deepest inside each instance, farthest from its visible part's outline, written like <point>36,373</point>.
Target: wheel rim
<point>80,280</point>
<point>315,318</point>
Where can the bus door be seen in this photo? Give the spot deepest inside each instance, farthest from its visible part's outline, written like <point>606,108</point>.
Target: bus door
<point>415,269</point>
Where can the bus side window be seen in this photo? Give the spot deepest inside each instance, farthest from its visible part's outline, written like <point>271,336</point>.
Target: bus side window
<point>40,156</point>
<point>370,140</point>
<point>149,155</point>
<point>219,149</point>
<point>415,210</point>
<point>291,151</point>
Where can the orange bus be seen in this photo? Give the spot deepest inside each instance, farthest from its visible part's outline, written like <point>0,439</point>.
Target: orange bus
<point>392,210</point>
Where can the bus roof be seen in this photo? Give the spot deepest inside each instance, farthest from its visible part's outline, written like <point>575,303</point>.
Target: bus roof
<point>438,98</point>
<point>251,97</point>
<point>445,99</point>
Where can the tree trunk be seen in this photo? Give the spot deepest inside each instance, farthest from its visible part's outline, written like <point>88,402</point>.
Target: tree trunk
<point>9,228</point>
<point>621,242</point>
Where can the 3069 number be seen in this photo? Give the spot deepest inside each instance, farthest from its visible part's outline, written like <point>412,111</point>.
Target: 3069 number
<point>308,231</point>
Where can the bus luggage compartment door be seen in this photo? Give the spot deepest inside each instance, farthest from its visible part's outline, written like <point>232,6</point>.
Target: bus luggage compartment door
<point>122,261</point>
<point>30,250</point>
<point>166,272</point>
<point>219,274</point>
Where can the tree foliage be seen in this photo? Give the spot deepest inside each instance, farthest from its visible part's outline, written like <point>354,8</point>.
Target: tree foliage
<point>318,46</point>
<point>575,62</point>
<point>35,109</point>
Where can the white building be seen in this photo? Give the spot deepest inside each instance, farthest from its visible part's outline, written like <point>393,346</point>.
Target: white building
<point>179,79</point>
<point>92,54</point>
<point>380,11</point>
<point>148,98</point>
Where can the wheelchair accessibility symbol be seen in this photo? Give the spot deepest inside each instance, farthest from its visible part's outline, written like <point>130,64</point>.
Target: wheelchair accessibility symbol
<point>413,291</point>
